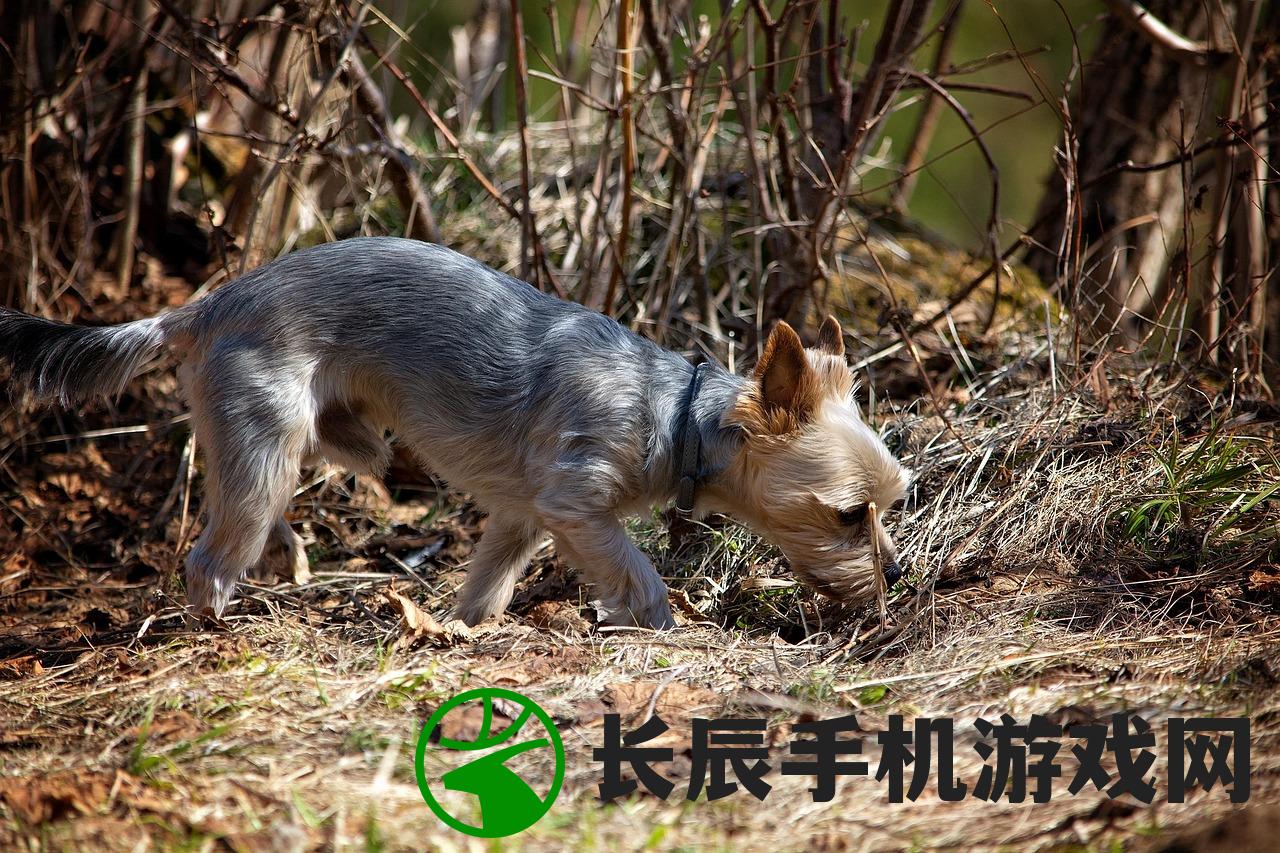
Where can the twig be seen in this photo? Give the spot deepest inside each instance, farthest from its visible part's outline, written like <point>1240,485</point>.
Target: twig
<point>527,238</point>
<point>624,65</point>
<point>420,222</point>
<point>1224,197</point>
<point>929,114</point>
<point>993,219</point>
<point>1160,34</point>
<point>1252,243</point>
<point>877,562</point>
<point>980,89</point>
<point>135,136</point>
<point>440,126</point>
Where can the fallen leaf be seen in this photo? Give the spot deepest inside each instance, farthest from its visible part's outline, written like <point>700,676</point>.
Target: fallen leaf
<point>686,607</point>
<point>1265,579</point>
<point>38,800</point>
<point>558,616</point>
<point>21,667</point>
<point>463,724</point>
<point>422,625</point>
<point>672,701</point>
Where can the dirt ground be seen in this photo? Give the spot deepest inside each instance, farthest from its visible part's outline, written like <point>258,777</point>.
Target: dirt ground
<point>1044,580</point>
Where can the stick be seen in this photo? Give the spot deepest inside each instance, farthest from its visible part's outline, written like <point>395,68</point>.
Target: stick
<point>1159,33</point>
<point>522,119</point>
<point>627,123</point>
<point>877,563</point>
<point>929,115</point>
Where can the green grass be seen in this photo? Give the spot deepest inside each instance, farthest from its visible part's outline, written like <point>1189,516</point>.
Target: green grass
<point>1214,488</point>
<point>140,762</point>
<point>409,689</point>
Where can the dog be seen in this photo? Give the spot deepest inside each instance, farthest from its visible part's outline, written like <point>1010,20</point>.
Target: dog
<point>555,418</point>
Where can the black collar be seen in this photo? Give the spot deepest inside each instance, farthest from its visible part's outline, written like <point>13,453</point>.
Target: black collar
<point>689,447</point>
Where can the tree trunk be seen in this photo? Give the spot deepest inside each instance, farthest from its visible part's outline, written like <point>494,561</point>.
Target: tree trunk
<point>1270,311</point>
<point>1107,233</point>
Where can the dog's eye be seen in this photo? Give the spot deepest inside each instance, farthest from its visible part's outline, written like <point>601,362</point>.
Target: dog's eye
<point>853,515</point>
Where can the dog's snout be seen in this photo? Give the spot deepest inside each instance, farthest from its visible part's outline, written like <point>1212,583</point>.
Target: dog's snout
<point>892,572</point>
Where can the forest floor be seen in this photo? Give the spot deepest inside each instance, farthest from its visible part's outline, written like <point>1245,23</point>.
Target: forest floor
<point>1078,549</point>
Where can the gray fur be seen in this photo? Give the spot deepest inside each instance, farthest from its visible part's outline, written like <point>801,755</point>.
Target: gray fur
<point>57,361</point>
<point>557,419</point>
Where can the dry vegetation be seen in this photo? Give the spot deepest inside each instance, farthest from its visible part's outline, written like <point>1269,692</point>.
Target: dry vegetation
<point>1093,527</point>
<point>294,725</point>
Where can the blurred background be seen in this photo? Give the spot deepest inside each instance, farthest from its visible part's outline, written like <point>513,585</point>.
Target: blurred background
<point>952,192</point>
<point>697,169</point>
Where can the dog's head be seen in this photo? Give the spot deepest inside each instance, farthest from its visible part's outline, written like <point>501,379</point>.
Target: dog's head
<point>812,477</point>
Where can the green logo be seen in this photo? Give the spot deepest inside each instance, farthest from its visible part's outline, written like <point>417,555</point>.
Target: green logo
<point>508,803</point>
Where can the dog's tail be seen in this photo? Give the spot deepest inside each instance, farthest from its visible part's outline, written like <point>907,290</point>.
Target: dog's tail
<point>57,361</point>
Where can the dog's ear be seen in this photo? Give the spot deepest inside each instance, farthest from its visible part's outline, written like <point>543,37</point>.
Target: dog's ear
<point>831,337</point>
<point>784,374</point>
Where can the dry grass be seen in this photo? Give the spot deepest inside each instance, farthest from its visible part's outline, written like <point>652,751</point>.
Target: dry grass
<point>1030,592</point>
<point>1086,536</point>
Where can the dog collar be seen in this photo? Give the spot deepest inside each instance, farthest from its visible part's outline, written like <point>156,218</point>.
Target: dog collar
<point>690,447</point>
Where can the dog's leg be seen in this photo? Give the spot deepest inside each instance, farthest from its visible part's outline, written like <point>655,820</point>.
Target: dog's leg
<point>504,551</point>
<point>348,439</point>
<point>253,419</point>
<point>283,557</point>
<point>632,591</point>
<point>240,505</point>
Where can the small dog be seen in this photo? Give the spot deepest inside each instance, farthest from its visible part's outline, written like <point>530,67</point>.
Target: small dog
<point>555,418</point>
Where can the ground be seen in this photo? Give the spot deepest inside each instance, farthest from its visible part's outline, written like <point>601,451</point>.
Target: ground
<point>1078,548</point>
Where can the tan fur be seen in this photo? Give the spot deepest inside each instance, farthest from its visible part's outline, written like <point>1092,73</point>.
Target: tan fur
<point>784,385</point>
<point>791,383</point>
<point>831,337</point>
<point>803,464</point>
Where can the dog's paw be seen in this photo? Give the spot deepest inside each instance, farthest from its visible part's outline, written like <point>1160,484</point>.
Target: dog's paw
<point>204,619</point>
<point>656,615</point>
<point>470,614</point>
<point>209,594</point>
<point>300,567</point>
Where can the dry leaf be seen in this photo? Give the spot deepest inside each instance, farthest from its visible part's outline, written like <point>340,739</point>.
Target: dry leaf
<point>559,616</point>
<point>422,625</point>
<point>1265,579</point>
<point>38,799</point>
<point>1100,385</point>
<point>674,701</point>
<point>21,667</point>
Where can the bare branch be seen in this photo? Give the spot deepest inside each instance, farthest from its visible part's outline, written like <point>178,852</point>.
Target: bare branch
<point>1161,35</point>
<point>420,221</point>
